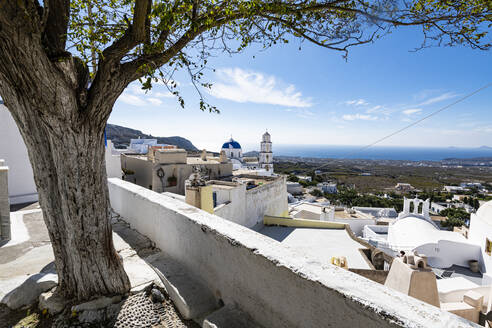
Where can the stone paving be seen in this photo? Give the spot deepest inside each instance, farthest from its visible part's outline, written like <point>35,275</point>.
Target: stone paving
<point>27,264</point>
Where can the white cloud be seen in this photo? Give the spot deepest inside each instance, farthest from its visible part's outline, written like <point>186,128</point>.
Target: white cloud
<point>130,99</point>
<point>374,109</point>
<point>363,117</point>
<point>247,86</point>
<point>444,96</point>
<point>412,111</point>
<point>357,102</point>
<point>163,94</point>
<point>154,101</point>
<point>135,96</point>
<point>301,112</point>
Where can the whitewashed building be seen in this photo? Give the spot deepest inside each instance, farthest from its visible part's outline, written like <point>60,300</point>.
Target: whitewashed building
<point>261,165</point>
<point>22,188</point>
<point>414,230</point>
<point>480,233</point>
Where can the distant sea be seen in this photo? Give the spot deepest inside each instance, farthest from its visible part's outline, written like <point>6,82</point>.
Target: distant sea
<point>381,152</point>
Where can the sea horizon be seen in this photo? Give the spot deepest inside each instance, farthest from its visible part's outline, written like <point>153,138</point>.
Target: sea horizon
<point>410,153</point>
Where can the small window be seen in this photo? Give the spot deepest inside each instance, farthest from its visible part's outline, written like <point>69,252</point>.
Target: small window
<point>488,246</point>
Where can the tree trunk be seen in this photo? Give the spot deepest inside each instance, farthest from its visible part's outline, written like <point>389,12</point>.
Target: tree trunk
<point>45,90</point>
<point>70,174</point>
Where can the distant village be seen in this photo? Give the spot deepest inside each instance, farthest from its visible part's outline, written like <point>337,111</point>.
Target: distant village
<point>411,247</point>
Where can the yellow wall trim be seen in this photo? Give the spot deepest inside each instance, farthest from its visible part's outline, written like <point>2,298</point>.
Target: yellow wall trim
<point>275,220</point>
<point>206,198</point>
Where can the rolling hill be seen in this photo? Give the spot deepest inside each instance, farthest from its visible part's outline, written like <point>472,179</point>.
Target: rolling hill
<point>120,136</point>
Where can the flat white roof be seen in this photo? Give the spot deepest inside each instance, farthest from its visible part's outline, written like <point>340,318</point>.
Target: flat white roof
<point>455,283</point>
<point>319,244</point>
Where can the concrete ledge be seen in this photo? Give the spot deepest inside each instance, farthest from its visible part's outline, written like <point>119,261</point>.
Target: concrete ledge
<point>301,223</point>
<point>274,284</point>
<point>227,317</point>
<point>190,296</point>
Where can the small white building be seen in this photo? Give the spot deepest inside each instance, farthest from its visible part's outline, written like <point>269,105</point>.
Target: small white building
<point>480,234</point>
<point>294,188</point>
<point>245,200</point>
<point>477,185</point>
<point>454,189</point>
<point>327,187</point>
<point>438,207</point>
<point>404,187</point>
<point>305,178</point>
<point>414,230</point>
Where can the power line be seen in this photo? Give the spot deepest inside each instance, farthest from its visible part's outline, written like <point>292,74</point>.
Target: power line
<point>414,123</point>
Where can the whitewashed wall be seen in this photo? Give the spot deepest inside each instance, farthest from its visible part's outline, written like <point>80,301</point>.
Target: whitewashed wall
<point>233,204</point>
<point>270,199</point>
<point>22,188</point>
<point>113,162</point>
<point>276,285</point>
<point>479,231</point>
<point>445,253</point>
<point>357,225</point>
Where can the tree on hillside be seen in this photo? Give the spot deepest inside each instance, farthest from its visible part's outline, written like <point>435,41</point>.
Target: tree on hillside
<point>63,64</point>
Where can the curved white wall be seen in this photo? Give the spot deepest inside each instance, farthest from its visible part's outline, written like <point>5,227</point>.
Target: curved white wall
<point>446,253</point>
<point>479,232</point>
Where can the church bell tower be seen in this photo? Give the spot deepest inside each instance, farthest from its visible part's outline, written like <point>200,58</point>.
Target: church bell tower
<point>266,154</point>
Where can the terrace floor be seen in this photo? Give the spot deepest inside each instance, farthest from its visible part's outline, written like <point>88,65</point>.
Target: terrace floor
<point>320,244</point>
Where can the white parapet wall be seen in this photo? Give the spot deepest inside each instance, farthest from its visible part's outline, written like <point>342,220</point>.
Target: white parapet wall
<point>276,285</point>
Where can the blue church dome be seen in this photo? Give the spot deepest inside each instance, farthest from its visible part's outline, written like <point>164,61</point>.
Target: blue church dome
<point>231,144</point>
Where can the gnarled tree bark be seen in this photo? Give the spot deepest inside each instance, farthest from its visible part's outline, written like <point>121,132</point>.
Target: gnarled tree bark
<point>46,96</point>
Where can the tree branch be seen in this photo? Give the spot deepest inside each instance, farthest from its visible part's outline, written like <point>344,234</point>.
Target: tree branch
<point>55,29</point>
<point>109,62</point>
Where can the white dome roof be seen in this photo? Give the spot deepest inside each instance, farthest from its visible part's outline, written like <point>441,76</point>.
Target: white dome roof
<point>413,231</point>
<point>485,212</point>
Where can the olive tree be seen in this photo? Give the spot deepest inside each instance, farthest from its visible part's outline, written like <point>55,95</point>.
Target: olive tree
<point>63,64</point>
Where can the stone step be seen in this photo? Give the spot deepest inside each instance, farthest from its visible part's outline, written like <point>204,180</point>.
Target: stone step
<point>192,298</point>
<point>229,316</point>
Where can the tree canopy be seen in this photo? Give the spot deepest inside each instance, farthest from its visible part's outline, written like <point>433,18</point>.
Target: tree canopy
<point>151,40</point>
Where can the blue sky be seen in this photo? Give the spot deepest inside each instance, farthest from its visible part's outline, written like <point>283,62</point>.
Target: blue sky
<point>314,96</point>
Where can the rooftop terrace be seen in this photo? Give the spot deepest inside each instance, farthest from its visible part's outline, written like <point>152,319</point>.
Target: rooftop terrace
<point>320,244</point>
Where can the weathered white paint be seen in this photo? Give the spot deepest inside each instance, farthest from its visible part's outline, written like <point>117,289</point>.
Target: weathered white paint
<point>113,161</point>
<point>248,207</point>
<point>453,289</point>
<point>276,285</point>
<point>22,188</point>
<point>480,231</point>
<point>357,225</point>
<point>269,199</point>
<point>445,253</point>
